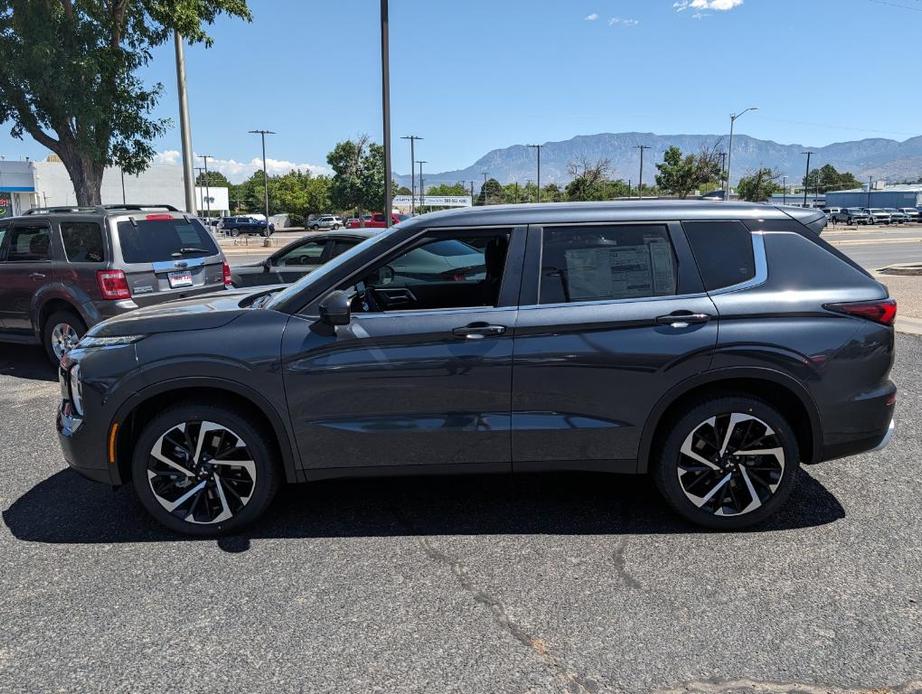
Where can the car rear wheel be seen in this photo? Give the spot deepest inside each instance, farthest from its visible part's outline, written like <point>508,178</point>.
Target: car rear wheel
<point>728,463</point>
<point>204,470</point>
<point>61,333</point>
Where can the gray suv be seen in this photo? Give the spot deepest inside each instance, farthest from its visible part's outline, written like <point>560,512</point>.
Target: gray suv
<point>713,346</point>
<point>64,269</point>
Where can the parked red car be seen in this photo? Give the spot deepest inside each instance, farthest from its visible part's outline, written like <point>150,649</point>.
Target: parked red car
<point>374,221</point>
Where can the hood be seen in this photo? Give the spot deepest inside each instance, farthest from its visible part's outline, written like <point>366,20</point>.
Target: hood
<point>195,313</point>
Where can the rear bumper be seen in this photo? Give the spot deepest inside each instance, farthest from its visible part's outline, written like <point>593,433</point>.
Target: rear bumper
<point>860,425</point>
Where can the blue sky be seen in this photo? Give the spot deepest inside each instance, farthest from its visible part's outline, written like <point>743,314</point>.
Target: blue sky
<point>478,75</point>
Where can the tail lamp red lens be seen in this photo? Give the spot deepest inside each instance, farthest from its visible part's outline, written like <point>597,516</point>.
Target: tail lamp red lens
<point>158,217</point>
<point>227,274</point>
<point>881,311</point>
<point>113,284</point>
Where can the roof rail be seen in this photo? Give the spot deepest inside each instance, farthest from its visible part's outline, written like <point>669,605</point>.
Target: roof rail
<point>75,209</point>
<point>129,206</point>
<point>59,210</point>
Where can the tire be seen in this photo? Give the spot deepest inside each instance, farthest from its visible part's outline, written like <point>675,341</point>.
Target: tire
<point>266,234</point>
<point>235,233</point>
<point>726,500</point>
<point>222,505</point>
<point>314,227</point>
<point>60,333</point>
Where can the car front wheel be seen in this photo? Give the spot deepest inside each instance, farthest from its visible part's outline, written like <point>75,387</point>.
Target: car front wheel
<point>204,470</point>
<point>729,463</point>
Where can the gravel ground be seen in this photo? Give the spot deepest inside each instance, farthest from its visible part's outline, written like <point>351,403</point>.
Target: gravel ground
<point>578,583</point>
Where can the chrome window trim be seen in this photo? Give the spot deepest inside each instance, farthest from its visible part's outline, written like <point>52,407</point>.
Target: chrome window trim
<point>761,263</point>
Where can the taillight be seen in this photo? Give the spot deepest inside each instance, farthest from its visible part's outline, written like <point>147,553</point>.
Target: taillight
<point>881,311</point>
<point>227,274</point>
<point>113,284</point>
<point>158,217</point>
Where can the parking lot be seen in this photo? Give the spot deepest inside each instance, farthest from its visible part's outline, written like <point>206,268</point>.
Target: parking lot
<point>580,583</point>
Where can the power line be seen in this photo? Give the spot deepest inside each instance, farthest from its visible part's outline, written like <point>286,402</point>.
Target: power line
<point>893,4</point>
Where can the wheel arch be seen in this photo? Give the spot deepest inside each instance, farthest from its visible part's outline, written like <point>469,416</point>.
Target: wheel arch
<point>49,302</point>
<point>134,412</point>
<point>776,388</point>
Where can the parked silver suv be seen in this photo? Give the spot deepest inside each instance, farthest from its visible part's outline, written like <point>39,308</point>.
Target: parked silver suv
<point>64,269</point>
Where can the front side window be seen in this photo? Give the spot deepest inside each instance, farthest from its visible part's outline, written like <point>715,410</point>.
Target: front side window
<point>82,242</point>
<point>442,270</point>
<point>309,253</point>
<point>29,243</point>
<point>606,263</point>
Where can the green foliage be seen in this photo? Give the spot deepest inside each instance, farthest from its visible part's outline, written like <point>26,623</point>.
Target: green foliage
<point>681,176</point>
<point>403,190</point>
<point>297,193</point>
<point>828,178</point>
<point>215,179</point>
<point>447,189</point>
<point>358,180</point>
<point>591,182</point>
<point>69,77</point>
<point>491,193</point>
<point>759,186</point>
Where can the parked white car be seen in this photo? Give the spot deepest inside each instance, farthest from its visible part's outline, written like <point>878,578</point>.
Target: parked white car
<point>325,221</point>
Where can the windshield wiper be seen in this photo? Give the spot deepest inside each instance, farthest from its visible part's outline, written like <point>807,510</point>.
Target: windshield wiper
<point>189,249</point>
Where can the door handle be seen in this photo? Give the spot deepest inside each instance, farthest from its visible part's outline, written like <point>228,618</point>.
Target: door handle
<point>682,319</point>
<point>37,275</point>
<point>478,331</point>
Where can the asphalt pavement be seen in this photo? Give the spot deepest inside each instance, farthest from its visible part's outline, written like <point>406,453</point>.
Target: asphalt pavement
<point>537,583</point>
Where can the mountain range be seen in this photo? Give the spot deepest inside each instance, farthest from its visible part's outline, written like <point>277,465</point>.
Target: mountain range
<point>878,158</point>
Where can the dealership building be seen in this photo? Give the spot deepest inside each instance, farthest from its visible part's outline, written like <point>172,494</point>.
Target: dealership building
<point>28,184</point>
<point>888,196</point>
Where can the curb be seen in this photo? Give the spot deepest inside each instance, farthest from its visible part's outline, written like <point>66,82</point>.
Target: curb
<point>902,269</point>
<point>908,326</point>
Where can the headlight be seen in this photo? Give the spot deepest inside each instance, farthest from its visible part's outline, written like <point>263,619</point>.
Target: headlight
<point>76,389</point>
<point>91,342</point>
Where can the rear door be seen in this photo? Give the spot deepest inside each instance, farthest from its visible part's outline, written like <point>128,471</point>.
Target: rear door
<point>166,256</point>
<point>25,267</point>
<point>612,316</point>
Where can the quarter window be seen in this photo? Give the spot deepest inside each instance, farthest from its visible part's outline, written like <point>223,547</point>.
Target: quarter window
<point>29,243</point>
<point>606,263</point>
<point>82,242</point>
<point>723,251</point>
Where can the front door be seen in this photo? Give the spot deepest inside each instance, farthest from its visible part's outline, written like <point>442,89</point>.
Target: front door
<point>422,374</point>
<point>618,316</point>
<point>24,268</point>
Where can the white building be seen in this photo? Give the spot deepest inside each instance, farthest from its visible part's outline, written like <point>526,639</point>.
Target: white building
<point>28,184</point>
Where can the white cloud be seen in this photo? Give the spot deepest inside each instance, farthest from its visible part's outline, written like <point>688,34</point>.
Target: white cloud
<point>618,21</point>
<point>718,5</point>
<point>237,171</point>
<point>591,17</point>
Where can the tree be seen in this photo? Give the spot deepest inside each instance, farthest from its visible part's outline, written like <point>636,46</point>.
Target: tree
<point>69,77</point>
<point>828,178</point>
<point>403,190</point>
<point>759,186</point>
<point>551,193</point>
<point>215,179</point>
<point>491,193</point>
<point>358,179</point>
<point>447,189</point>
<point>683,175</point>
<point>589,179</point>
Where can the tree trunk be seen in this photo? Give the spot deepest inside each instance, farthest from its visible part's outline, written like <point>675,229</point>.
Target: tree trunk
<point>86,177</point>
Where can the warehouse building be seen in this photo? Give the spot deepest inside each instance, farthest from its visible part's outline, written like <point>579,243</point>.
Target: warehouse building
<point>28,184</point>
<point>890,196</point>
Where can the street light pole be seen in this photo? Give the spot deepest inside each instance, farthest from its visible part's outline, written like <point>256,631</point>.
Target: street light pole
<point>537,148</point>
<point>198,199</point>
<point>733,117</point>
<point>422,190</point>
<point>262,134</point>
<point>485,203</point>
<point>640,181</point>
<point>806,175</point>
<point>412,139</point>
<point>386,113</point>
<point>208,187</point>
<point>784,190</point>
<point>184,131</point>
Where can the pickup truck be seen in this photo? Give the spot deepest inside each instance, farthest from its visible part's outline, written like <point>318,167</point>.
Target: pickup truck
<point>234,226</point>
<point>374,221</point>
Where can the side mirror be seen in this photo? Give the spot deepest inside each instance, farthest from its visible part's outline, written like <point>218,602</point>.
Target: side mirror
<point>336,309</point>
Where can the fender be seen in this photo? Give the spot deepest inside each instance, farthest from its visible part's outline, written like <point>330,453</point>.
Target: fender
<point>78,300</point>
<point>723,374</point>
<point>280,424</point>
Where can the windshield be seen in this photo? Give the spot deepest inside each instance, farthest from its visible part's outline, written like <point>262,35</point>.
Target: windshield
<point>150,241</point>
<point>320,273</point>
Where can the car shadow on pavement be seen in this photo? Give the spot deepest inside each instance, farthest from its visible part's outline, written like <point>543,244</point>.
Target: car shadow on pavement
<point>26,361</point>
<point>65,508</point>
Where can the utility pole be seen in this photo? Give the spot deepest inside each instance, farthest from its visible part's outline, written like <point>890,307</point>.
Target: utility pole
<point>537,148</point>
<point>733,117</point>
<point>723,168</point>
<point>412,139</point>
<point>807,175</point>
<point>640,181</point>
<point>784,190</point>
<point>422,190</point>
<point>208,187</point>
<point>185,133</point>
<point>484,188</point>
<point>386,113</point>
<point>262,134</point>
<point>198,206</point>
<point>472,192</point>
<point>122,171</point>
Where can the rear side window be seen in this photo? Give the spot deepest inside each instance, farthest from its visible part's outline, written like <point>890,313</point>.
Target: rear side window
<point>150,241</point>
<point>82,242</point>
<point>29,243</point>
<point>606,263</point>
<point>723,251</point>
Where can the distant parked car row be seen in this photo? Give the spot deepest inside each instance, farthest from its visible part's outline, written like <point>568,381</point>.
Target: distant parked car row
<point>872,215</point>
<point>248,226</point>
